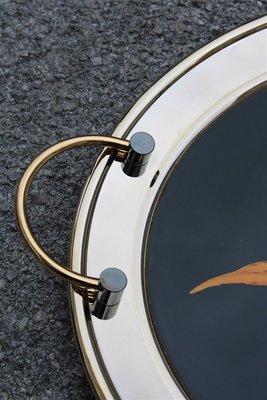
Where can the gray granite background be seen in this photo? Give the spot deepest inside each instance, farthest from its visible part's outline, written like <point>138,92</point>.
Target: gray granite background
<point>71,68</point>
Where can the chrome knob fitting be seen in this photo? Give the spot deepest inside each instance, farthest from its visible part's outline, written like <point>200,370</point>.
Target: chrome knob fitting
<point>141,146</point>
<point>112,284</point>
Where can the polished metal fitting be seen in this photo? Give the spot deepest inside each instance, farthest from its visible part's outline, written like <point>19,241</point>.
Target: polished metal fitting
<point>112,284</point>
<point>141,146</point>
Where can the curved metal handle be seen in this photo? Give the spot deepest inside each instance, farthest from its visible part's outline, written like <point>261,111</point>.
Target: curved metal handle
<point>121,148</point>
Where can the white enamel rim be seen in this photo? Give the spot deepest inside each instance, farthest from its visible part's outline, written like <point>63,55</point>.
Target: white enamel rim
<point>121,355</point>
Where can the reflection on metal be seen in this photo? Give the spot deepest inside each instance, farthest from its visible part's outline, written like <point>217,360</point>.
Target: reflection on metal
<point>176,109</point>
<point>105,293</point>
<point>155,177</point>
<point>112,284</point>
<point>141,147</point>
<point>252,274</point>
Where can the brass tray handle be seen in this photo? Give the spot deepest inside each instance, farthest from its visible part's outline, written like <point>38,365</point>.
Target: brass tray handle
<point>104,292</point>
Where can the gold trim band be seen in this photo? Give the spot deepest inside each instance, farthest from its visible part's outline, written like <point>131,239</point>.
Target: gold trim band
<point>78,281</point>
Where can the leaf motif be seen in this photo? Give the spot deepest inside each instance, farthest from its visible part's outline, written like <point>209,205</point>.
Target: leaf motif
<point>251,274</point>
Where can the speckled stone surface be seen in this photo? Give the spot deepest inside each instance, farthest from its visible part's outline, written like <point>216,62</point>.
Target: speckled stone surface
<point>71,68</point>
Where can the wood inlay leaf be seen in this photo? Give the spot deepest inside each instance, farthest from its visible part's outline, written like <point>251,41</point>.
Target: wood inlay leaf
<point>251,274</point>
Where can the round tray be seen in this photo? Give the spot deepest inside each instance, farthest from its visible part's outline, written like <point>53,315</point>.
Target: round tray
<point>125,356</point>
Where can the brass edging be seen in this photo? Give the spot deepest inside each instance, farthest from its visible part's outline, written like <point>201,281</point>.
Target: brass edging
<point>147,233</point>
<point>232,37</point>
